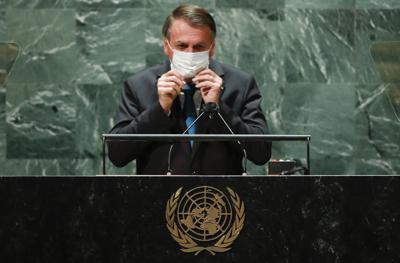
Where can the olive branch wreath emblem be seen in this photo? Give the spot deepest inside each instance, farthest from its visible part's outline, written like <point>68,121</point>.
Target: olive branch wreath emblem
<point>188,244</point>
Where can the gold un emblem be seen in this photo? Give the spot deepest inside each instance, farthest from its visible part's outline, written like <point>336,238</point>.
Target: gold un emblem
<point>204,218</point>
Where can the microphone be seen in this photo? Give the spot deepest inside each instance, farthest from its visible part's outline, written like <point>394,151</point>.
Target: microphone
<point>214,107</point>
<point>210,108</point>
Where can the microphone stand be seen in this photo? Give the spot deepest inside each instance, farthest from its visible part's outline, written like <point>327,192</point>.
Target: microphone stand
<point>209,108</point>
<point>169,171</point>
<point>213,108</point>
<point>241,146</point>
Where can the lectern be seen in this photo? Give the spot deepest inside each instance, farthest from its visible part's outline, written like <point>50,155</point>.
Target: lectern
<point>220,219</point>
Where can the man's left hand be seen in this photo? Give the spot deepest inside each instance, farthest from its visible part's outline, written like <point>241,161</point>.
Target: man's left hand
<point>210,85</point>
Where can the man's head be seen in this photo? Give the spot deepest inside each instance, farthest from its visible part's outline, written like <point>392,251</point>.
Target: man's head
<point>190,29</point>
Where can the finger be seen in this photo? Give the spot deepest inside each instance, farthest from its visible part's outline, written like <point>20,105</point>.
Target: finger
<point>171,84</point>
<point>174,79</point>
<point>168,91</point>
<point>204,77</point>
<point>173,73</point>
<point>216,80</point>
<point>166,84</point>
<point>205,89</point>
<point>207,84</point>
<point>205,71</point>
<point>204,92</point>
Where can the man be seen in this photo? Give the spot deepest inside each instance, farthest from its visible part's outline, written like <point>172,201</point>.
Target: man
<point>168,97</point>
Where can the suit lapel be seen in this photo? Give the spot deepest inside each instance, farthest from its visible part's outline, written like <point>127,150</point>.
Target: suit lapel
<point>163,67</point>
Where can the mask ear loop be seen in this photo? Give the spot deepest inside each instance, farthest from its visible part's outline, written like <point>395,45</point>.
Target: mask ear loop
<point>169,45</point>
<point>213,43</point>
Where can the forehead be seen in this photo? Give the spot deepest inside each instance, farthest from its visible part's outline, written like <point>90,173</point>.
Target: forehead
<point>183,31</point>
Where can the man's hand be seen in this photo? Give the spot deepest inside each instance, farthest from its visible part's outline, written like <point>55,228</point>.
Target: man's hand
<point>169,85</point>
<point>210,85</point>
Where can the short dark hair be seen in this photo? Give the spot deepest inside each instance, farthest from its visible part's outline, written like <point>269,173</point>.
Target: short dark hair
<point>194,15</point>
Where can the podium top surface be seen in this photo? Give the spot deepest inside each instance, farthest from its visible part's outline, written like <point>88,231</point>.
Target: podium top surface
<point>206,137</point>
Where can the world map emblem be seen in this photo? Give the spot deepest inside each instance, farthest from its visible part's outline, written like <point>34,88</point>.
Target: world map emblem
<point>205,219</point>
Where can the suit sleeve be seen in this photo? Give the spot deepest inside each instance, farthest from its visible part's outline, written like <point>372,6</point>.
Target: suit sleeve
<point>250,120</point>
<point>132,118</point>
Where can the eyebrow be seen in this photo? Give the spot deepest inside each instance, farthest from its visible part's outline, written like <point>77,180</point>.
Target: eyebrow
<point>185,43</point>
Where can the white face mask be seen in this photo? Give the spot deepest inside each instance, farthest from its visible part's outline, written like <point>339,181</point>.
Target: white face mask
<point>188,64</point>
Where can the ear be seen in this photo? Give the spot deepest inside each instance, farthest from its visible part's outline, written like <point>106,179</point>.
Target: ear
<point>212,49</point>
<point>167,49</point>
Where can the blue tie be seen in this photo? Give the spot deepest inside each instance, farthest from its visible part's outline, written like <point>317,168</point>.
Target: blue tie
<point>189,108</point>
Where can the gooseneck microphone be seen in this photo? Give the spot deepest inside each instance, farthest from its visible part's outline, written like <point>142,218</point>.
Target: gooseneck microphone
<point>209,108</point>
<point>240,144</point>
<point>169,171</point>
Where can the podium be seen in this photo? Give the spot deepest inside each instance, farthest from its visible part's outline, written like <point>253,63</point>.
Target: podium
<point>127,219</point>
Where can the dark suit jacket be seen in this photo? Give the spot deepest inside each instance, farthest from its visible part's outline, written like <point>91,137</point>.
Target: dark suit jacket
<point>140,113</point>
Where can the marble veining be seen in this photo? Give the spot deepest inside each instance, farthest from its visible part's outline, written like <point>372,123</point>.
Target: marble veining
<point>311,60</point>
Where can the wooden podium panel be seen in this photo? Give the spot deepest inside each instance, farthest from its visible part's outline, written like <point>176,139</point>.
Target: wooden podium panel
<point>274,219</point>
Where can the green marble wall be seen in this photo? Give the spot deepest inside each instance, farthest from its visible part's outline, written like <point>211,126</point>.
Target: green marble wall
<point>310,58</point>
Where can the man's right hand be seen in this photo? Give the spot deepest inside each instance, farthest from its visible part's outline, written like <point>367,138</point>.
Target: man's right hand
<point>169,85</point>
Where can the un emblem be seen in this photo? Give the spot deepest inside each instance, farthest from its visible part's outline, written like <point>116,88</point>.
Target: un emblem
<point>204,219</point>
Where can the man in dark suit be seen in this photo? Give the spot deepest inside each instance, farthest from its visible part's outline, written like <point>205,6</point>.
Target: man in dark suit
<point>168,97</point>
